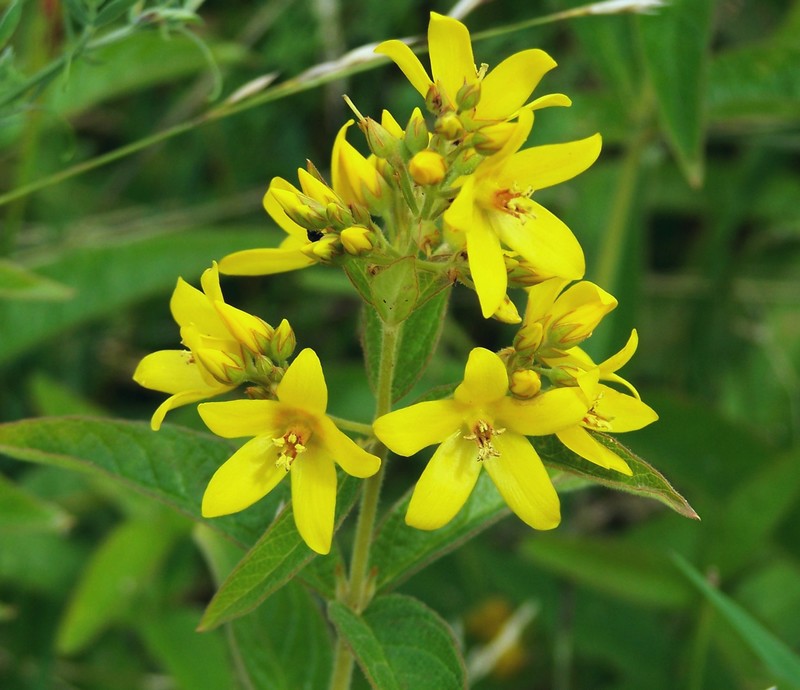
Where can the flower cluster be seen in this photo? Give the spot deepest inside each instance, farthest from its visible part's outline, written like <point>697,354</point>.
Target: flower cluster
<point>454,191</point>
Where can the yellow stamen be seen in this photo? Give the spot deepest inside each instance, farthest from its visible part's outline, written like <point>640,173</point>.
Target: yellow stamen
<point>482,434</point>
<point>595,420</point>
<point>291,444</point>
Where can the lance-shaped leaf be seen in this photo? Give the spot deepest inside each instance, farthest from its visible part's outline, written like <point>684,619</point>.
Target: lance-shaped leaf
<point>172,465</point>
<point>645,480</point>
<point>782,663</point>
<point>285,644</point>
<point>400,643</point>
<point>278,555</point>
<point>20,283</point>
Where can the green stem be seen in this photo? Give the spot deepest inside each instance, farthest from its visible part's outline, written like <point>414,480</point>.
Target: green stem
<point>357,593</point>
<point>355,427</point>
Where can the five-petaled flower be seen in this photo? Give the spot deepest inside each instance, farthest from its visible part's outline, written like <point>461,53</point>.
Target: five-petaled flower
<point>292,435</point>
<point>481,427</point>
<point>501,93</point>
<point>493,208</point>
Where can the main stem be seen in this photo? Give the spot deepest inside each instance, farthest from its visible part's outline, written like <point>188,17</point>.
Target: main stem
<point>356,595</point>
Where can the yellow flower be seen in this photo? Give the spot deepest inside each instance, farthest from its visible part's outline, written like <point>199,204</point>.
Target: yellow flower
<point>481,426</point>
<point>502,92</point>
<point>493,207</point>
<point>316,205</point>
<point>182,373</point>
<point>292,435</point>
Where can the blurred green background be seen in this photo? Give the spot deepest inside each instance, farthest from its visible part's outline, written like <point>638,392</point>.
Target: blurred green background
<point>691,218</point>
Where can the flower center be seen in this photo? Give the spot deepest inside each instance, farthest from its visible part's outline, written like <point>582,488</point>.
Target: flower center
<point>482,434</point>
<point>595,420</point>
<point>515,202</point>
<point>290,445</point>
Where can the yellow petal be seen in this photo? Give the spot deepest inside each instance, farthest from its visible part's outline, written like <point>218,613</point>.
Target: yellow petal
<point>184,398</point>
<point>523,482</point>
<point>621,358</point>
<point>351,172</point>
<point>555,409</point>
<point>276,212</point>
<point>543,166</point>
<point>391,125</point>
<point>550,100</point>
<point>445,484</point>
<point>247,476</point>
<point>581,442</point>
<point>623,412</point>
<point>169,371</point>
<point>541,298</point>
<point>509,85</point>
<point>452,62</point>
<point>549,246</point>
<point>410,429</point>
<point>317,190</point>
<point>351,457</point>
<point>238,418</point>
<point>209,281</point>
<point>410,65</point>
<point>303,385</point>
<point>261,262</point>
<point>249,330</point>
<point>485,379</point>
<point>461,214</point>
<point>314,498</point>
<point>486,266</point>
<point>190,307</point>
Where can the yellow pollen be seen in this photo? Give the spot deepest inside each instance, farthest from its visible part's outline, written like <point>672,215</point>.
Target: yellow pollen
<point>482,434</point>
<point>515,202</point>
<point>290,445</point>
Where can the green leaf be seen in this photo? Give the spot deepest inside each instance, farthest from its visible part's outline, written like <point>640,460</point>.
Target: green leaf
<point>172,465</point>
<point>120,568</point>
<point>285,644</point>
<point>275,558</point>
<point>108,277</point>
<point>17,282</point>
<point>21,511</point>
<point>759,82</point>
<point>627,571</point>
<point>401,644</point>
<point>395,290</point>
<point>418,339</point>
<point>779,660</point>
<point>9,21</point>
<point>26,560</point>
<point>399,550</point>
<point>194,662</point>
<point>675,46</point>
<point>645,481</point>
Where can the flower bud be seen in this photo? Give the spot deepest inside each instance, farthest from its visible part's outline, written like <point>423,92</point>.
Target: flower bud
<point>225,367</point>
<point>433,100</point>
<point>380,141</point>
<point>449,126</point>
<point>323,249</point>
<point>427,167</point>
<point>416,136</point>
<point>525,383</point>
<point>302,209</point>
<point>356,240</point>
<point>248,330</point>
<point>468,96</point>
<point>338,216</point>
<point>466,162</point>
<point>283,342</point>
<point>529,337</point>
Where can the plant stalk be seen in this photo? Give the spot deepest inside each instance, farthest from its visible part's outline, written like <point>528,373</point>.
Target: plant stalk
<point>357,593</point>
